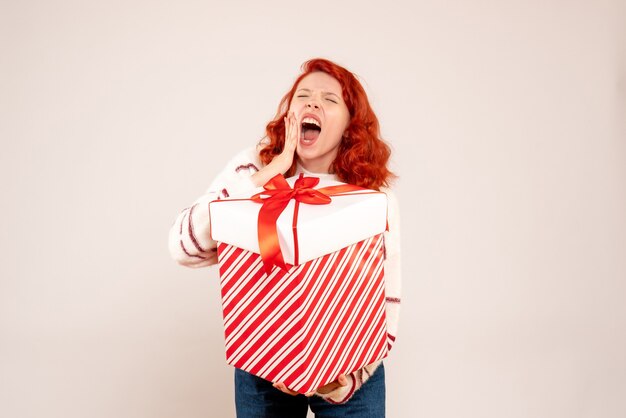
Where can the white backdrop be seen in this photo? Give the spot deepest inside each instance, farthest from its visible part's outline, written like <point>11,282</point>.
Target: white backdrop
<point>507,122</point>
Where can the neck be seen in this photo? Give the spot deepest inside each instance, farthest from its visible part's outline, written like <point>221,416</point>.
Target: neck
<point>315,167</point>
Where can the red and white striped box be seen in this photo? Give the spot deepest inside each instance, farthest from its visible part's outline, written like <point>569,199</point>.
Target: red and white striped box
<point>324,313</point>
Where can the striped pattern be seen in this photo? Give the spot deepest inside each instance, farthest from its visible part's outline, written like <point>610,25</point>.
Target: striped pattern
<point>305,326</point>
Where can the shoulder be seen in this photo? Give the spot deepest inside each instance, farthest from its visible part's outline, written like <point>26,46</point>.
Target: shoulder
<point>235,176</point>
<point>247,159</point>
<point>393,214</point>
<point>249,154</point>
<point>392,200</point>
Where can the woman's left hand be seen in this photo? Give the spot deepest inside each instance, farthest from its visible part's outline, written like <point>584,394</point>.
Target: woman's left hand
<point>341,381</point>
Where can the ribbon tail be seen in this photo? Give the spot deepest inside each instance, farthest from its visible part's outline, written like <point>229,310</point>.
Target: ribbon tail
<point>274,261</point>
<point>269,245</point>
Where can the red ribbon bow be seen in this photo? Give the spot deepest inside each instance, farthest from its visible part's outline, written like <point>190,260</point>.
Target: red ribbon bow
<point>277,194</point>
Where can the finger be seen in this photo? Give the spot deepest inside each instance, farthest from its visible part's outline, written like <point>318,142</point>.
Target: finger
<point>281,386</point>
<point>290,392</point>
<point>292,122</point>
<point>298,127</point>
<point>342,379</point>
<point>328,388</point>
<point>296,131</point>
<point>309,394</point>
<point>293,134</point>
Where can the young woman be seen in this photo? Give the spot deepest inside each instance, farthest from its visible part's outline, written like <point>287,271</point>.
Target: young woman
<point>324,127</point>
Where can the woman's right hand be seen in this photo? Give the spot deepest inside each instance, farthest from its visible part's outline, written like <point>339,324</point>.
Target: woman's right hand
<point>283,161</point>
<point>292,133</point>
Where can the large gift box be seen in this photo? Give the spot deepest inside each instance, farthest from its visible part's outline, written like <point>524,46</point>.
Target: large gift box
<point>302,281</point>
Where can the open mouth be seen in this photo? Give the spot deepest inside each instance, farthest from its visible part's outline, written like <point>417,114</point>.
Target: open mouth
<point>310,130</point>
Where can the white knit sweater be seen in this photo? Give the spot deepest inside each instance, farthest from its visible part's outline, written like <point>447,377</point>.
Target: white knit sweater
<point>191,246</point>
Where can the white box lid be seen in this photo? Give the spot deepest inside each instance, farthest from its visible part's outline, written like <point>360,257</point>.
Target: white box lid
<point>321,229</point>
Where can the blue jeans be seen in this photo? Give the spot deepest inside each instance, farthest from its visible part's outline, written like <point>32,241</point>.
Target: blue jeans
<point>257,398</point>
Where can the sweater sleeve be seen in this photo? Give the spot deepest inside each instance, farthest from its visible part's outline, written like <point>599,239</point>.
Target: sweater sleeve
<point>393,273</point>
<point>393,289</point>
<point>190,242</point>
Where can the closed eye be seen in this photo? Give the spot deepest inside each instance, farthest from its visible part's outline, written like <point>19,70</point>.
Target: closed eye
<point>330,100</point>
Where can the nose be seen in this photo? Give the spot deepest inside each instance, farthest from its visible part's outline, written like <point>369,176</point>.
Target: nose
<point>312,104</point>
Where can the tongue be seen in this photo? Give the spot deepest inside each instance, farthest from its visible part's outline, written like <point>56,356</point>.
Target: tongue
<point>311,134</point>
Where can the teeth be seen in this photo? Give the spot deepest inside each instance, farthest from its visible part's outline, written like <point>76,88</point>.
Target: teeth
<point>311,120</point>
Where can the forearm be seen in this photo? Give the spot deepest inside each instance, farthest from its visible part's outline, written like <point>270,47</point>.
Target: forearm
<point>189,241</point>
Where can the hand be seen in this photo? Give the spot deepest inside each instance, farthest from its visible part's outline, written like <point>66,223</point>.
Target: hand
<point>282,162</point>
<point>341,381</point>
<point>292,135</point>
<point>281,386</point>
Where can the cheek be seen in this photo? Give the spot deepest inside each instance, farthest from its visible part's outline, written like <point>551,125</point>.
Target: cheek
<point>346,119</point>
<point>340,124</point>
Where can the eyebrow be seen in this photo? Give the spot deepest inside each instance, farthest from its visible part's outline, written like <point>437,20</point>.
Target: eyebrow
<point>324,92</point>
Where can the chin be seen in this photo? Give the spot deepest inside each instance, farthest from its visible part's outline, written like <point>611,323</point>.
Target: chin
<point>307,156</point>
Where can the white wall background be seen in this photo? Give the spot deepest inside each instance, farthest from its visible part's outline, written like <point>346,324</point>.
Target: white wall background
<point>507,121</point>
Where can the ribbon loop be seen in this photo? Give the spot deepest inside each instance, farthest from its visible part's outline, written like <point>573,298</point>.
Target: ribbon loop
<point>275,198</point>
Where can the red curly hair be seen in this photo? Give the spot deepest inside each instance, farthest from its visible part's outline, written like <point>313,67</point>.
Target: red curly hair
<point>362,156</point>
